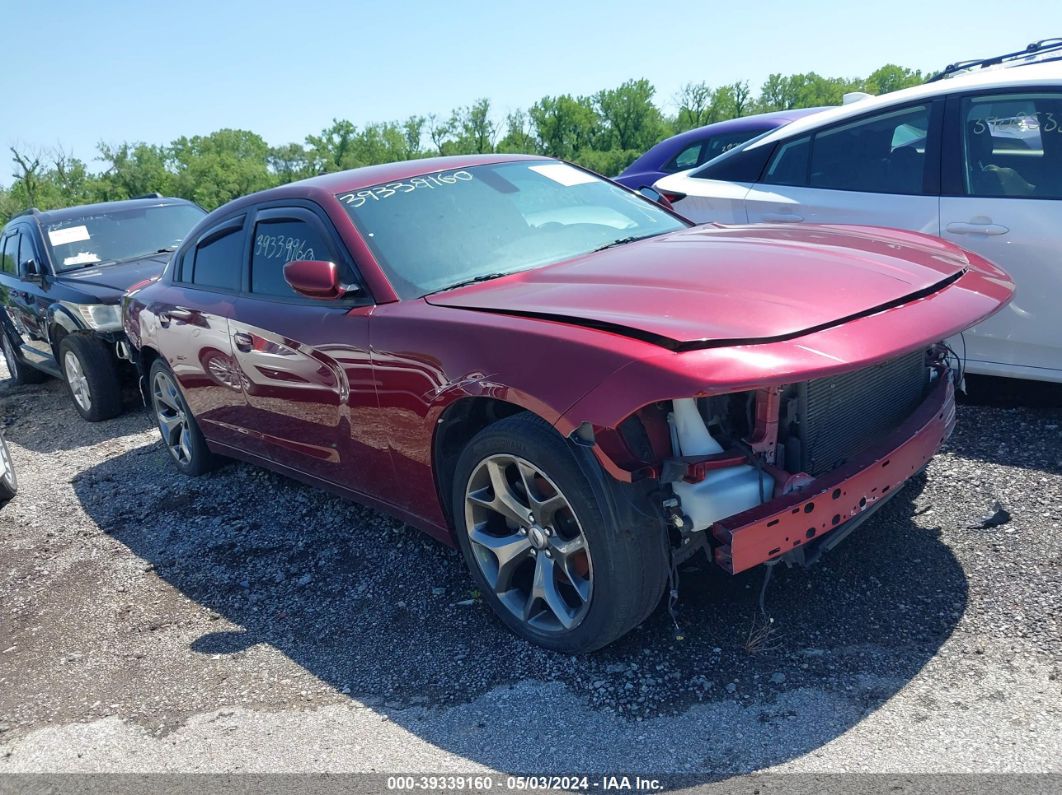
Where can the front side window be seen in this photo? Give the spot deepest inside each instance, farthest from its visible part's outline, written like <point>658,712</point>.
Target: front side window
<point>107,237</point>
<point>440,229</point>
<point>218,260</point>
<point>25,254</point>
<point>1012,145</point>
<point>278,242</point>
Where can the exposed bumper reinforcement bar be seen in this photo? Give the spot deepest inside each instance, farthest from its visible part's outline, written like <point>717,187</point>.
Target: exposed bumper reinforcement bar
<point>770,530</point>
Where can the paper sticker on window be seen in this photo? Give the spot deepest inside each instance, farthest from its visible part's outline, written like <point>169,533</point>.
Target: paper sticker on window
<point>72,234</point>
<point>83,258</point>
<point>564,174</point>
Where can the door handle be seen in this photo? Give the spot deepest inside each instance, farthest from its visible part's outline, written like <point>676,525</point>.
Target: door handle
<point>783,218</point>
<point>242,341</point>
<point>963,228</point>
<point>176,313</point>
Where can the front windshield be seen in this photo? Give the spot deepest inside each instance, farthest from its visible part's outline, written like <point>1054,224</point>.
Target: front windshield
<point>450,227</point>
<point>105,237</point>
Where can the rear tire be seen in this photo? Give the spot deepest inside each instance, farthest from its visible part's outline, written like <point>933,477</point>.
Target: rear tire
<point>180,432</point>
<point>91,375</point>
<point>21,373</point>
<point>542,553</point>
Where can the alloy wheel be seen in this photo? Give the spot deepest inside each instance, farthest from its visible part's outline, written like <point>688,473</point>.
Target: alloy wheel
<point>171,417</point>
<point>75,378</point>
<point>528,543</point>
<point>7,469</point>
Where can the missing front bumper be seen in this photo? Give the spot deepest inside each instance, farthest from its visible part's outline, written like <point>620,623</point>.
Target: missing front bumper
<point>841,497</point>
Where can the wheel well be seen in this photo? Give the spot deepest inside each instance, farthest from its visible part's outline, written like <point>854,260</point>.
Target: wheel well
<point>58,332</point>
<point>455,428</point>
<point>148,355</point>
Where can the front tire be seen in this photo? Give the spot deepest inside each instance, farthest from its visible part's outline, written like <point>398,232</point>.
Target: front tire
<point>21,373</point>
<point>8,480</point>
<point>180,432</point>
<point>538,544</point>
<point>91,375</point>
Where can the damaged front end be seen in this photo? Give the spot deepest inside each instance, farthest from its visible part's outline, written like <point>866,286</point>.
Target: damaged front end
<point>785,472</point>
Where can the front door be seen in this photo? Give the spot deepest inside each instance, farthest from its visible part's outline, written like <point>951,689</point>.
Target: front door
<point>304,363</point>
<point>24,295</point>
<point>1006,205</point>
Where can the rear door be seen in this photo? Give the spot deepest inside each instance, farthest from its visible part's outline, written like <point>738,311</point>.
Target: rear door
<point>304,364</point>
<point>195,314</point>
<point>1003,200</point>
<point>880,169</point>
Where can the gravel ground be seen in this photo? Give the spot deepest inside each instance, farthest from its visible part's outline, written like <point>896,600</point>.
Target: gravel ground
<point>243,622</point>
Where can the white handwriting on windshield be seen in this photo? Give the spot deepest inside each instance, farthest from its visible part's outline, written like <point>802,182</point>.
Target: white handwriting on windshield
<point>381,192</point>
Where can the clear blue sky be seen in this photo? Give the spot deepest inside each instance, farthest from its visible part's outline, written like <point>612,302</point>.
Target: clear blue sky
<point>114,71</point>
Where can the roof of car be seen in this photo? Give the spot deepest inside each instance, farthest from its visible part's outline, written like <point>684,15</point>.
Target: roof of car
<point>1047,73</point>
<point>68,213</point>
<point>367,176</point>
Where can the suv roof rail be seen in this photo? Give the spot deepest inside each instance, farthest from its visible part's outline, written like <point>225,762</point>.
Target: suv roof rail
<point>153,195</point>
<point>1031,54</point>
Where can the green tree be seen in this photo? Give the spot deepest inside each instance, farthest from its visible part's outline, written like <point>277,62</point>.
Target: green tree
<point>133,170</point>
<point>519,136</point>
<point>333,149</point>
<point>631,120</point>
<point>564,125</point>
<point>216,168</point>
<point>694,101</point>
<point>891,77</point>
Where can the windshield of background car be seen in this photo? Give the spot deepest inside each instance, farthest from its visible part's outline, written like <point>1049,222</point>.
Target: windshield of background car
<point>448,227</point>
<point>103,238</point>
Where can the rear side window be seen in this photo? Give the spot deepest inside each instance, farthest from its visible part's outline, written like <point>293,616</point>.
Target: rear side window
<point>687,158</point>
<point>790,165</point>
<point>218,260</point>
<point>277,242</point>
<point>9,254</point>
<point>1012,145</point>
<point>881,154</point>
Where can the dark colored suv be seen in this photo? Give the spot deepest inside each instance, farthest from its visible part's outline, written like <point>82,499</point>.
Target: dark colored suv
<point>62,276</point>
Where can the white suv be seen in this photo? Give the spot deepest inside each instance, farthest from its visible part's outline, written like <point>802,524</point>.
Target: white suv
<point>975,159</point>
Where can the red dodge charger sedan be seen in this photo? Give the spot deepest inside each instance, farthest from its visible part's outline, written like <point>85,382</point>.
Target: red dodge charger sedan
<point>571,383</point>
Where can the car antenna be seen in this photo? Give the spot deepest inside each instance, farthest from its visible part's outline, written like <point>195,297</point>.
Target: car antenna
<point>1031,54</point>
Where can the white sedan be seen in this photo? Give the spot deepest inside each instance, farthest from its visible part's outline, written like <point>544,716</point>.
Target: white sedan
<point>975,159</point>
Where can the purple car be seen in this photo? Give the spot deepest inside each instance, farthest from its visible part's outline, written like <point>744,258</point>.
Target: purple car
<point>694,147</point>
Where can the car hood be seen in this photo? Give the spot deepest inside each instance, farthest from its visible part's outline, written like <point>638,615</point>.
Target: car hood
<point>715,285</point>
<point>113,280</point>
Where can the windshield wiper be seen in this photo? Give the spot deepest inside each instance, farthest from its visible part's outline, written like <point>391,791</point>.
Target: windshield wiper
<point>167,250</point>
<point>486,277</point>
<point>625,240</point>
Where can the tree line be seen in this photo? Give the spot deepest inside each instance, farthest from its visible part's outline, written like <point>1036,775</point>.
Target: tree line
<point>605,132</point>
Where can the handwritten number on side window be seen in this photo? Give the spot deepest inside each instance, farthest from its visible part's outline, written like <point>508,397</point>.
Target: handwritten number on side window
<point>283,247</point>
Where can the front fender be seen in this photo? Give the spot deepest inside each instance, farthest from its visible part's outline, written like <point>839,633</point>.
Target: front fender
<point>59,316</point>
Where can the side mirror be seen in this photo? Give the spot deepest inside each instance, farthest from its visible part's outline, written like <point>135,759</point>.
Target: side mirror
<point>30,271</point>
<point>315,278</point>
<point>652,194</point>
